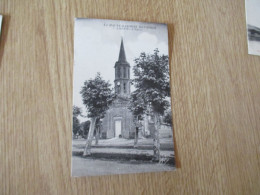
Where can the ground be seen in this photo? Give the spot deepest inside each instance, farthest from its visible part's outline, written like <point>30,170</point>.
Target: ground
<point>119,156</point>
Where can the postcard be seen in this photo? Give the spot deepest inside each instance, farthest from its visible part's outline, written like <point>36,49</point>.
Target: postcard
<point>122,118</point>
<point>253,26</point>
<point>1,17</point>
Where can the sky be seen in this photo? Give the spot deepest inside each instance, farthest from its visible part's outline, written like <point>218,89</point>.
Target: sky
<point>253,12</point>
<point>97,45</point>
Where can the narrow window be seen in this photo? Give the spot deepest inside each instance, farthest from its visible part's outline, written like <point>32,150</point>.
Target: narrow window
<point>118,72</point>
<point>124,72</point>
<point>124,87</point>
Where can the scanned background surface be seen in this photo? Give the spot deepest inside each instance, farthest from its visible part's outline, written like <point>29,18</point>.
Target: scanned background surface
<point>215,90</point>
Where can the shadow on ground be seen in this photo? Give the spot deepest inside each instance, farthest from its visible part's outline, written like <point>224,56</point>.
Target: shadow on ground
<point>127,158</point>
<point>140,147</point>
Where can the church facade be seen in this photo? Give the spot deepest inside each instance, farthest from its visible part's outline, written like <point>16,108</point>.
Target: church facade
<point>118,120</point>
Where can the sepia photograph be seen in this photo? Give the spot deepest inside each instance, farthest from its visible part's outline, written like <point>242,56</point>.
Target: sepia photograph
<point>253,26</point>
<point>122,113</point>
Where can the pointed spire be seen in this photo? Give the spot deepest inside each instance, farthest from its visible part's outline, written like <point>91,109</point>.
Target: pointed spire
<point>122,57</point>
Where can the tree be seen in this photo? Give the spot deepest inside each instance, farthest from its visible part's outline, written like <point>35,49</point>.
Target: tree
<point>151,80</point>
<point>76,111</point>
<point>85,128</point>
<point>168,117</point>
<point>76,123</point>
<point>96,96</point>
<point>76,126</point>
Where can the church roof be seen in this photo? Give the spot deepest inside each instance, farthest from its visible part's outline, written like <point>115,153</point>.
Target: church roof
<point>122,57</point>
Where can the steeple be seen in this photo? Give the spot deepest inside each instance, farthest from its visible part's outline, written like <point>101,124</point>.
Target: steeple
<point>122,74</point>
<point>122,57</point>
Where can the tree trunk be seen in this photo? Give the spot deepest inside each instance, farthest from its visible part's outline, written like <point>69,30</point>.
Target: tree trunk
<point>97,134</point>
<point>87,151</point>
<point>156,139</point>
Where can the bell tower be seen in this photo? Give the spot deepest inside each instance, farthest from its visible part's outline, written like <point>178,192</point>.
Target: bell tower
<point>119,120</point>
<point>122,74</point>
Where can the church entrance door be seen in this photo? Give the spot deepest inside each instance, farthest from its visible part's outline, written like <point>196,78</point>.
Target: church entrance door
<point>118,128</point>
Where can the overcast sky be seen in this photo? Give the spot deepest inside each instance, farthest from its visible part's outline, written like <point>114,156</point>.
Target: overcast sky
<point>97,44</point>
<point>253,12</point>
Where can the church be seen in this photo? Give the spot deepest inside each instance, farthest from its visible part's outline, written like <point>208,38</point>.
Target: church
<point>118,120</point>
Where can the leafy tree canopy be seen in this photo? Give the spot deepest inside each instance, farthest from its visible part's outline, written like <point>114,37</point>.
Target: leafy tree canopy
<point>76,124</point>
<point>152,83</point>
<point>85,128</point>
<point>168,117</point>
<point>97,96</point>
<point>76,111</point>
